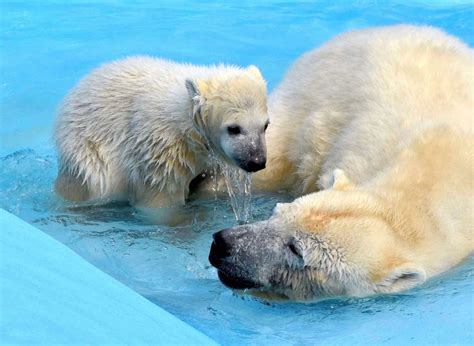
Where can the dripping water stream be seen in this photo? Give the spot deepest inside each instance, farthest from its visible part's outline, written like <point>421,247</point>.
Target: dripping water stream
<point>238,184</point>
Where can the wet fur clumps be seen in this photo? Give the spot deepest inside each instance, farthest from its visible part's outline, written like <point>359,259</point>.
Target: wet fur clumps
<point>141,129</point>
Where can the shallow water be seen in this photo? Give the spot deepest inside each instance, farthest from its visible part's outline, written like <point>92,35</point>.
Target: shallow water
<point>45,47</point>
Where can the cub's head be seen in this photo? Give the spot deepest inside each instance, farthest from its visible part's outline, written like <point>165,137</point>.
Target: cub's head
<point>330,243</point>
<point>231,111</point>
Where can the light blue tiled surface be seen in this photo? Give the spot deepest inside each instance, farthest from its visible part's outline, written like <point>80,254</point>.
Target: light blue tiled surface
<point>49,294</point>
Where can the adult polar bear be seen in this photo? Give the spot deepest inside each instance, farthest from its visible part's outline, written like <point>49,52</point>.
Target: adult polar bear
<point>381,121</point>
<point>140,129</point>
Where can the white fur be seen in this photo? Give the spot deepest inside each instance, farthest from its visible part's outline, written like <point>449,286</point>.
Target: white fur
<point>354,102</point>
<point>128,130</point>
<point>379,123</point>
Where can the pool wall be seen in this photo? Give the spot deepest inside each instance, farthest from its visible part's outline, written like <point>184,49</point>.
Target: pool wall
<point>49,294</point>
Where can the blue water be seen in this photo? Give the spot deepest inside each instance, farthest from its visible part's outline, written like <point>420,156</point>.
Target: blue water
<point>47,46</point>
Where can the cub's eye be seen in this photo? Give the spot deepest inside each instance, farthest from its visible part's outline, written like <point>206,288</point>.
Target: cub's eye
<point>234,130</point>
<point>265,128</point>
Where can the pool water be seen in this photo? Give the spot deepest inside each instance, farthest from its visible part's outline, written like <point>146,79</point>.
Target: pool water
<point>47,46</point>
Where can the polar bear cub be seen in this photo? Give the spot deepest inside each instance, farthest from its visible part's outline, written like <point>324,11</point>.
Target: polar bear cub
<point>141,129</point>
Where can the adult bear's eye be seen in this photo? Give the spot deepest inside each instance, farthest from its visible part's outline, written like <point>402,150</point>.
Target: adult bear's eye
<point>234,130</point>
<point>295,250</point>
<point>266,127</point>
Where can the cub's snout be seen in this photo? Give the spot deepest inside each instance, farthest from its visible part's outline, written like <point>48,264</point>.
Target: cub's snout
<point>254,164</point>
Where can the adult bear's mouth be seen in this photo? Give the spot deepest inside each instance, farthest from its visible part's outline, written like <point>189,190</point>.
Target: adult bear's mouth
<point>234,282</point>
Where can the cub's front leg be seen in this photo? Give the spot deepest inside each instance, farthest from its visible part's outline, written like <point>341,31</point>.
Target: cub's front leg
<point>160,207</point>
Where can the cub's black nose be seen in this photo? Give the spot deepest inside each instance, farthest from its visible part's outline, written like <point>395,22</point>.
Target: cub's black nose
<point>253,165</point>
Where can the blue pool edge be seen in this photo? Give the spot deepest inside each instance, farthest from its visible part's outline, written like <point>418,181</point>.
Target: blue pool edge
<point>49,294</point>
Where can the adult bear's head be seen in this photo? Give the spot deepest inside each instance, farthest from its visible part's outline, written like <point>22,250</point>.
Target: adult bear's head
<point>342,241</point>
<point>230,110</point>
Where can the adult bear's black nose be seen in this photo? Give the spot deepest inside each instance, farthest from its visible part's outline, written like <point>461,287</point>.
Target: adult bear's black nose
<point>224,243</point>
<point>220,249</point>
<point>224,255</point>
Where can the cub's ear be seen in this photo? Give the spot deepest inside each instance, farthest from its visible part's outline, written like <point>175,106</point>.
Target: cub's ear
<point>341,181</point>
<point>196,89</point>
<point>195,92</point>
<point>192,88</point>
<point>254,71</point>
<point>402,278</point>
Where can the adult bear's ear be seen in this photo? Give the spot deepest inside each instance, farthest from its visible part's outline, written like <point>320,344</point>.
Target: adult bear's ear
<point>400,278</point>
<point>255,72</point>
<point>341,181</point>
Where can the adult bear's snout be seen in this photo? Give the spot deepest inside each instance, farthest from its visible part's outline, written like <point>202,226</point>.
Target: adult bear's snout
<point>222,245</point>
<point>249,256</point>
<point>225,244</point>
